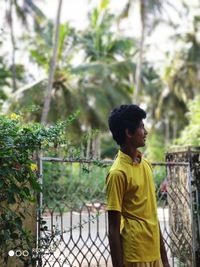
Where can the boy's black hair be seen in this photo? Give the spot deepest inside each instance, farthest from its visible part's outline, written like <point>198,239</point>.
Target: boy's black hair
<point>122,118</point>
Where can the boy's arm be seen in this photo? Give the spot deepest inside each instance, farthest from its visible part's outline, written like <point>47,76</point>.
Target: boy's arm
<point>163,251</point>
<point>114,218</point>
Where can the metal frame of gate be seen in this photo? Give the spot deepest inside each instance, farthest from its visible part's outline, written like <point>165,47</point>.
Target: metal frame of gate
<point>59,246</point>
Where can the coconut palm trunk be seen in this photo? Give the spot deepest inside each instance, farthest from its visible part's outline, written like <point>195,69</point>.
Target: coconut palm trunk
<point>12,36</point>
<point>18,10</point>
<point>141,51</point>
<point>47,101</point>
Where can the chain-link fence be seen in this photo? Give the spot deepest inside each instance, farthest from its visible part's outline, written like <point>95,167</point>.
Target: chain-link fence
<point>72,221</point>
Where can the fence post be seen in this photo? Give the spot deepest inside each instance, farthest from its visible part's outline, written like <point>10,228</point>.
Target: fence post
<point>192,156</point>
<point>39,205</point>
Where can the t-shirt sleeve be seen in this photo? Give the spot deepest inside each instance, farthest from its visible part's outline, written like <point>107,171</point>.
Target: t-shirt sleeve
<point>149,164</point>
<point>115,189</point>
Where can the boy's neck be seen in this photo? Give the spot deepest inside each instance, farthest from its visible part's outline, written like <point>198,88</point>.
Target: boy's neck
<point>130,151</point>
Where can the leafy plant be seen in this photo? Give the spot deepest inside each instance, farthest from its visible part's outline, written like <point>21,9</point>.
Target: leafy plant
<point>19,180</point>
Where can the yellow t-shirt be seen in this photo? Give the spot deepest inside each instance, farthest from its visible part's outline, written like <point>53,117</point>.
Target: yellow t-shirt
<point>130,190</point>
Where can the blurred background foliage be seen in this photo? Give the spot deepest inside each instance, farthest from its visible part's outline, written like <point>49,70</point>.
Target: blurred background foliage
<point>100,67</point>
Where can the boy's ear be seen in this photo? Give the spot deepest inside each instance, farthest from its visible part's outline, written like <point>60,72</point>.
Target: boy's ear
<point>128,133</point>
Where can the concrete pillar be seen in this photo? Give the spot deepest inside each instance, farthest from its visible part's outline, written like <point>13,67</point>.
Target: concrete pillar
<point>189,155</point>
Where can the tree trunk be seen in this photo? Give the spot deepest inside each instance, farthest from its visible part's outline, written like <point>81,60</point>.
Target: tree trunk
<point>96,153</point>
<point>47,101</point>
<point>175,127</point>
<point>140,58</point>
<point>12,36</point>
<point>167,130</point>
<point>88,148</point>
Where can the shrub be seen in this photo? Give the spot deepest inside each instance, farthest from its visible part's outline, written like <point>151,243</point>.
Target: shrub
<point>18,171</point>
<point>69,185</point>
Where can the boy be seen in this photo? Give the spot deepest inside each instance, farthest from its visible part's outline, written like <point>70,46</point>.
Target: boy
<point>134,233</point>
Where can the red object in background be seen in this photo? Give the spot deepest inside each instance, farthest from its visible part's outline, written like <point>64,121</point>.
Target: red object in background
<point>163,186</point>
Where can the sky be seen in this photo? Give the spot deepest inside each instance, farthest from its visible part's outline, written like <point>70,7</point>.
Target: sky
<point>76,11</point>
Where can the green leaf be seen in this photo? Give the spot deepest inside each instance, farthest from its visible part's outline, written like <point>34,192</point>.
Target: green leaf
<point>26,191</point>
<point>35,184</point>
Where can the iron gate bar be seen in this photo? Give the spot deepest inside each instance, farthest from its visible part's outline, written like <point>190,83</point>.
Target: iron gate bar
<point>52,159</point>
<point>38,211</point>
<point>192,212</point>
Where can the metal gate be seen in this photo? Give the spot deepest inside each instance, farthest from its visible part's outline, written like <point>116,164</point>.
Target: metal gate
<point>73,229</point>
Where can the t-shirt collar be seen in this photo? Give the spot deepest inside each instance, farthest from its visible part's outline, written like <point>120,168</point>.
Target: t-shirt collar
<point>128,159</point>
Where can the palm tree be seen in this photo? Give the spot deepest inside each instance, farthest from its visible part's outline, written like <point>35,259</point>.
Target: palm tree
<point>94,87</point>
<point>182,83</point>
<point>52,66</point>
<point>27,7</point>
<point>102,72</point>
<point>147,24</point>
<point>183,77</point>
<point>10,22</point>
<point>141,50</point>
<point>147,8</point>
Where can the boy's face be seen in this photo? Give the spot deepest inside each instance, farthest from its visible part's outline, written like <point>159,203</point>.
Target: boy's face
<point>138,138</point>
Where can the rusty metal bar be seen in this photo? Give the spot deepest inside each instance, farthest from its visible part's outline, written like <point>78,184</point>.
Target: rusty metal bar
<point>107,162</point>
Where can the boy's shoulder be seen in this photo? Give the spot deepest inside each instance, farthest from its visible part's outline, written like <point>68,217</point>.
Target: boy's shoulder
<point>117,165</point>
<point>146,161</point>
<point>116,175</point>
<point>118,168</point>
